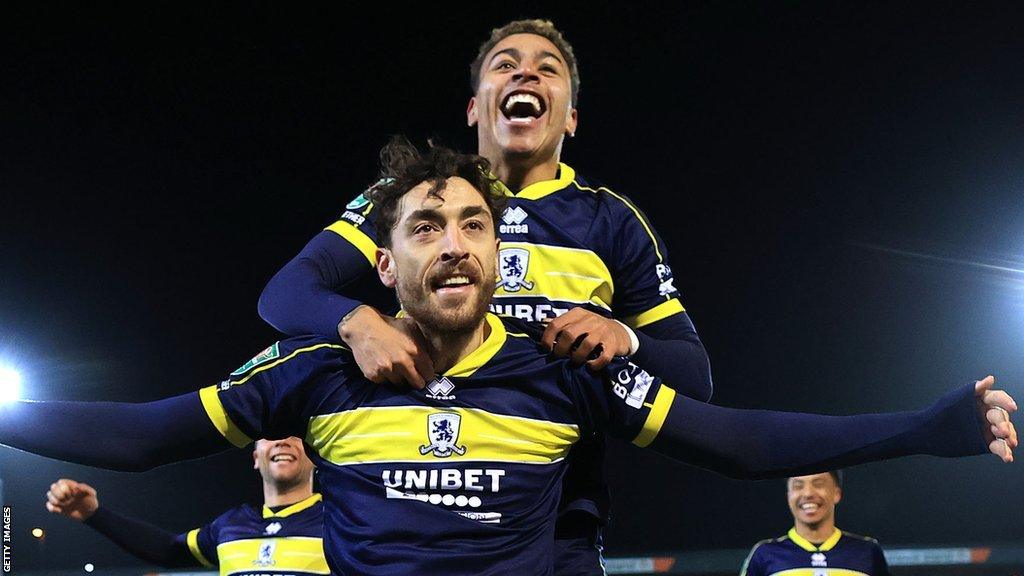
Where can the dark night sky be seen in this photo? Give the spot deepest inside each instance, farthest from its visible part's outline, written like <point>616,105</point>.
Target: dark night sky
<point>841,186</point>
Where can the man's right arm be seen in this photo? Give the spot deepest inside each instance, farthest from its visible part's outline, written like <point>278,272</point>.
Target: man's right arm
<point>145,541</point>
<point>265,398</point>
<point>305,297</point>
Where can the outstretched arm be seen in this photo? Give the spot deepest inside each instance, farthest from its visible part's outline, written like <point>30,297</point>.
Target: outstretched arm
<point>113,435</point>
<point>755,444</point>
<point>79,501</point>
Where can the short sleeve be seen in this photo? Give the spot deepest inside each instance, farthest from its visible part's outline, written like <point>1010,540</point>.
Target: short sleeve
<point>271,395</point>
<point>644,285</point>
<point>623,400</point>
<point>357,225</point>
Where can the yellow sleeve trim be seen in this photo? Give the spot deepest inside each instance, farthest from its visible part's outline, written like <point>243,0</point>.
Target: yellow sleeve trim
<point>655,420</point>
<point>357,238</point>
<point>219,417</point>
<point>193,547</point>
<point>659,312</point>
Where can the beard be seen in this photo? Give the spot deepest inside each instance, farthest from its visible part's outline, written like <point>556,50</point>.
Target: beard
<point>464,317</point>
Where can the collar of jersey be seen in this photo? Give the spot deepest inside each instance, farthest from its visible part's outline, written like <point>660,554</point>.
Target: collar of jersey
<point>487,349</point>
<point>806,544</point>
<point>297,507</point>
<point>538,190</point>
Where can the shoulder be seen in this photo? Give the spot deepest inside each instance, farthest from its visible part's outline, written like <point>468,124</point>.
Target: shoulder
<point>300,352</point>
<point>860,538</point>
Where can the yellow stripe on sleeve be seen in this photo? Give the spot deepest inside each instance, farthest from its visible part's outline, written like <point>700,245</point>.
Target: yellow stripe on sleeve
<point>659,312</point>
<point>357,238</point>
<point>656,418</point>
<point>220,419</point>
<point>193,547</point>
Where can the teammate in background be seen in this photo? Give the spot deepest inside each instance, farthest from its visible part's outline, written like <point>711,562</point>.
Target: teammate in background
<point>286,535</point>
<point>464,476</point>
<point>814,545</point>
<point>573,252</point>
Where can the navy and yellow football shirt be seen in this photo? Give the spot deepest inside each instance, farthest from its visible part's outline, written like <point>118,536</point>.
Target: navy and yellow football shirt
<point>842,554</point>
<point>462,477</point>
<point>248,542</point>
<point>564,243</point>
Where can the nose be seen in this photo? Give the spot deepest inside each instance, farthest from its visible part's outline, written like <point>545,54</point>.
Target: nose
<point>454,245</point>
<point>525,73</point>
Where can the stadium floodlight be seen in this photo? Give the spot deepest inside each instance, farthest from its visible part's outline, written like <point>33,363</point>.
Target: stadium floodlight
<point>89,567</point>
<point>10,384</point>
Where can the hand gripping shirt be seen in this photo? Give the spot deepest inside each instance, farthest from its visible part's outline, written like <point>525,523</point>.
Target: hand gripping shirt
<point>565,243</point>
<point>842,554</point>
<point>248,542</point>
<point>462,477</point>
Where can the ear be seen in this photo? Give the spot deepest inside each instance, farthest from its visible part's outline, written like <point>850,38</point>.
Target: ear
<point>471,117</point>
<point>838,496</point>
<point>570,126</point>
<point>386,267</point>
<point>497,261</point>
<point>255,461</point>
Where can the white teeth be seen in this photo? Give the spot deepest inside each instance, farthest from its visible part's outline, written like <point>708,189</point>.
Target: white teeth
<point>455,280</point>
<point>283,457</point>
<point>525,99</point>
<point>809,507</point>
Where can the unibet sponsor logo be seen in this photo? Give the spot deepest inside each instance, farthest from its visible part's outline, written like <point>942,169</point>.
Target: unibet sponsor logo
<point>270,353</point>
<point>513,221</point>
<point>438,487</point>
<point>528,312</point>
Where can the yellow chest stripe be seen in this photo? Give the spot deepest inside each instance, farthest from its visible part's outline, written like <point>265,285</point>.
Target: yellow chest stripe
<point>293,553</point>
<point>402,434</point>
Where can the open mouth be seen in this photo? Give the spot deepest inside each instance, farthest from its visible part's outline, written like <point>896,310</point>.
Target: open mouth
<point>522,107</point>
<point>452,282</point>
<point>283,458</point>
<point>810,507</point>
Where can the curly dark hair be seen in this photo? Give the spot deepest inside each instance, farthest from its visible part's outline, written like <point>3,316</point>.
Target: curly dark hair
<point>543,28</point>
<point>404,166</point>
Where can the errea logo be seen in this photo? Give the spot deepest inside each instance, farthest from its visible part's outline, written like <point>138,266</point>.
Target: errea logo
<point>513,221</point>
<point>440,389</point>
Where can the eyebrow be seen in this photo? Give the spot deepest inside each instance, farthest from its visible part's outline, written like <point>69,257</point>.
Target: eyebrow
<point>515,53</point>
<point>434,215</point>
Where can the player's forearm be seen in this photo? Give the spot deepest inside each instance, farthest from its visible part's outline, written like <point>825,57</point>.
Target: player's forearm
<point>303,297</point>
<point>757,444</point>
<point>671,349</point>
<point>117,436</point>
<point>142,540</point>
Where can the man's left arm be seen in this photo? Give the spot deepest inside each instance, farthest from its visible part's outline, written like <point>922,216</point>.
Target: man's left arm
<point>652,327</point>
<point>755,444</point>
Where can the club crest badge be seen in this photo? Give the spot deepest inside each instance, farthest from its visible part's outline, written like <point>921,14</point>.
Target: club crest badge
<point>513,263</point>
<point>265,556</point>
<point>443,434</point>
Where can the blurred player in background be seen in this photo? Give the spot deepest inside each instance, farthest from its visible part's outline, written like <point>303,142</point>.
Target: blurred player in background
<point>814,545</point>
<point>284,536</point>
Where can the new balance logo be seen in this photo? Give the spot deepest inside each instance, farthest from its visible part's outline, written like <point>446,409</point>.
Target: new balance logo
<point>513,221</point>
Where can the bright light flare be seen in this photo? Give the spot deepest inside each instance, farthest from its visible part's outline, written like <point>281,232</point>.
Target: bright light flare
<point>10,384</point>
